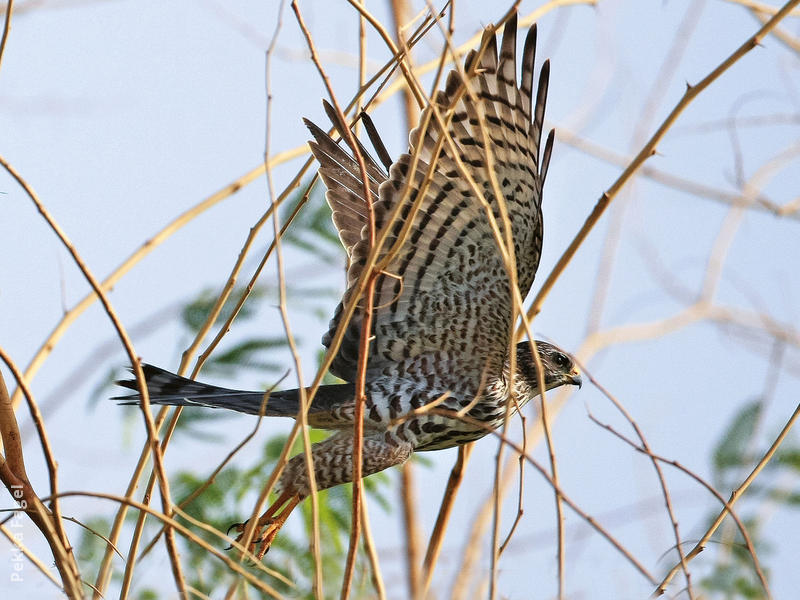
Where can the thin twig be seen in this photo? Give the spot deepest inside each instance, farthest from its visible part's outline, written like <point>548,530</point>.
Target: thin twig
<point>401,13</point>
<point>543,412</point>
<point>372,554</point>
<point>128,345</point>
<point>16,540</point>
<point>104,572</point>
<point>761,7</point>
<point>661,480</point>
<point>403,63</point>
<point>692,91</point>
<point>446,507</point>
<point>302,413</point>
<point>366,325</point>
<point>15,478</point>
<point>521,500</point>
<point>176,526</point>
<point>735,495</point>
<point>6,28</point>
<point>544,473</point>
<point>742,528</point>
<point>95,533</point>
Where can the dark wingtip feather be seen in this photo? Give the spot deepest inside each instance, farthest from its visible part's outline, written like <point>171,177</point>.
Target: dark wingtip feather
<point>545,74</point>
<point>541,99</point>
<point>322,145</point>
<point>336,119</point>
<point>548,150</point>
<point>376,141</point>
<point>328,107</point>
<point>509,42</point>
<point>469,60</point>
<point>131,400</point>
<point>312,127</point>
<point>512,23</point>
<point>528,65</point>
<point>491,50</point>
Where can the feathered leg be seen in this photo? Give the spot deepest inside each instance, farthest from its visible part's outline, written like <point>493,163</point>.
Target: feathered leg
<point>333,465</point>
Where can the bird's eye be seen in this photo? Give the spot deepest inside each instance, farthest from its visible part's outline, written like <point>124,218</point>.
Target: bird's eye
<point>561,360</point>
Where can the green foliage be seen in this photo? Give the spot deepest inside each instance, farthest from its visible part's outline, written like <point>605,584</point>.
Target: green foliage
<point>730,454</point>
<point>196,313</point>
<point>247,354</point>
<point>312,229</point>
<point>255,352</point>
<point>730,581</point>
<point>735,455</point>
<point>231,496</point>
<point>91,547</point>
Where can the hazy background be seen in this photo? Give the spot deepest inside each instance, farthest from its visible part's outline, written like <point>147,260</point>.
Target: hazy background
<point>121,115</point>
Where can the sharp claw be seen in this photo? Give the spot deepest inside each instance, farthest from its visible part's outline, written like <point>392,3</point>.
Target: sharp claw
<point>238,526</point>
<point>267,526</point>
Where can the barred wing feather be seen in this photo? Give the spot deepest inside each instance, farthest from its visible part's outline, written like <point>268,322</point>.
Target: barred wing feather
<point>445,293</point>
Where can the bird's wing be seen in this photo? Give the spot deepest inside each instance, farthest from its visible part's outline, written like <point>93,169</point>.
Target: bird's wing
<point>342,176</point>
<point>444,291</point>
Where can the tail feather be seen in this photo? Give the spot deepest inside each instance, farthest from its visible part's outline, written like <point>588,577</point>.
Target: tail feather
<point>164,387</point>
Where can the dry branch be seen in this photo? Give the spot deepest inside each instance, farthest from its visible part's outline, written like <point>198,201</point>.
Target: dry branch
<point>128,345</point>
<point>15,478</point>
<point>692,91</point>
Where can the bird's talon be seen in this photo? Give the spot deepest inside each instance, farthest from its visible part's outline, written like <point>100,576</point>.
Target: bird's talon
<point>266,529</point>
<point>239,527</point>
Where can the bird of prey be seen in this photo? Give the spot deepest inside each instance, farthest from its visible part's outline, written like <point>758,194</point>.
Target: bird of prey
<point>442,322</point>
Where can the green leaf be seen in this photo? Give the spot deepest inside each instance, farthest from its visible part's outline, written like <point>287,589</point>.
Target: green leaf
<point>791,499</point>
<point>248,354</point>
<point>733,582</point>
<point>789,457</point>
<point>731,450</point>
<point>312,229</point>
<point>196,313</point>
<point>231,496</point>
<point>91,546</point>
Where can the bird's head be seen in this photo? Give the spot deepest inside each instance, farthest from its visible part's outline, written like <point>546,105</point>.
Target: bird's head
<point>558,366</point>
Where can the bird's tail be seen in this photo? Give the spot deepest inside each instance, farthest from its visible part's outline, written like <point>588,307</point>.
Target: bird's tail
<point>164,387</point>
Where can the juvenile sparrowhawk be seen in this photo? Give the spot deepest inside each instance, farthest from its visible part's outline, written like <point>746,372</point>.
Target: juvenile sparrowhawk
<point>442,320</point>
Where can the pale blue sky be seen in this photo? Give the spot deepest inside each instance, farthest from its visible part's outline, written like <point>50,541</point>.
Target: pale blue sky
<point>123,114</point>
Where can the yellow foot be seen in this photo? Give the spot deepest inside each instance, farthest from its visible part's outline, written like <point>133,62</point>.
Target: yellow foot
<point>268,524</point>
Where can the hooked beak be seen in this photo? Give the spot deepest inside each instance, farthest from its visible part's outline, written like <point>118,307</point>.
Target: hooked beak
<point>574,377</point>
